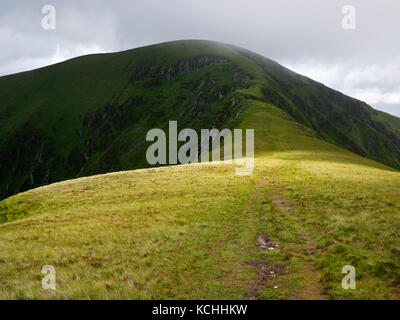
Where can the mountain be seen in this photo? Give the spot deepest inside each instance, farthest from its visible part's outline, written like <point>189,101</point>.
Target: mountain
<point>311,206</point>
<point>90,115</point>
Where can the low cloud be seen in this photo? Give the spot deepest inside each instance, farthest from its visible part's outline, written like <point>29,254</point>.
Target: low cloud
<point>377,85</point>
<point>375,95</point>
<point>55,56</point>
<point>305,35</point>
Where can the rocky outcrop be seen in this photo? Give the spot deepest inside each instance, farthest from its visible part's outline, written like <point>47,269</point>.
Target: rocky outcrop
<point>24,160</point>
<point>169,72</point>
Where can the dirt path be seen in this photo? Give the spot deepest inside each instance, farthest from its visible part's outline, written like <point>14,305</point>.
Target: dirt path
<point>277,274</point>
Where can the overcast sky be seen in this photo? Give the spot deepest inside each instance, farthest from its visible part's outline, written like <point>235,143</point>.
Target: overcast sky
<point>305,35</point>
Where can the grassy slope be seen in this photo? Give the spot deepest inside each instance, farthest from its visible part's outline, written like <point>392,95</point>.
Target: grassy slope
<point>335,117</point>
<point>191,231</point>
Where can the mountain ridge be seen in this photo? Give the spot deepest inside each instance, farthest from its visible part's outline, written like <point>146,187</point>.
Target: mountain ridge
<point>89,114</point>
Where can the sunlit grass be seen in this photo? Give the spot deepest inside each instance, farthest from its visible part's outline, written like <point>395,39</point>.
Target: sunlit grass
<point>174,232</point>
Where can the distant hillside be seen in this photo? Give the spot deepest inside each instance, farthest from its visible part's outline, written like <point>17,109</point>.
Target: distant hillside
<point>90,115</point>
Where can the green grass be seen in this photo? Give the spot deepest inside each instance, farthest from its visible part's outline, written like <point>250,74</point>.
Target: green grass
<point>190,232</point>
<point>160,233</point>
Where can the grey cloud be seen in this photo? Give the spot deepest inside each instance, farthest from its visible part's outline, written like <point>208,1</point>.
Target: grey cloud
<point>305,35</point>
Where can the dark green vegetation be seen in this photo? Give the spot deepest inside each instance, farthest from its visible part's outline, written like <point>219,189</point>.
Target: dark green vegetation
<point>90,114</point>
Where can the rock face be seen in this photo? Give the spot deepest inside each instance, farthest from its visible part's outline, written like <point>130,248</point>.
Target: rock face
<point>194,99</point>
<point>171,71</point>
<point>24,156</point>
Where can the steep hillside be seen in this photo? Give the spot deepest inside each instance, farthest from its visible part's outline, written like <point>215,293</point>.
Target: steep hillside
<point>198,231</point>
<point>90,115</point>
